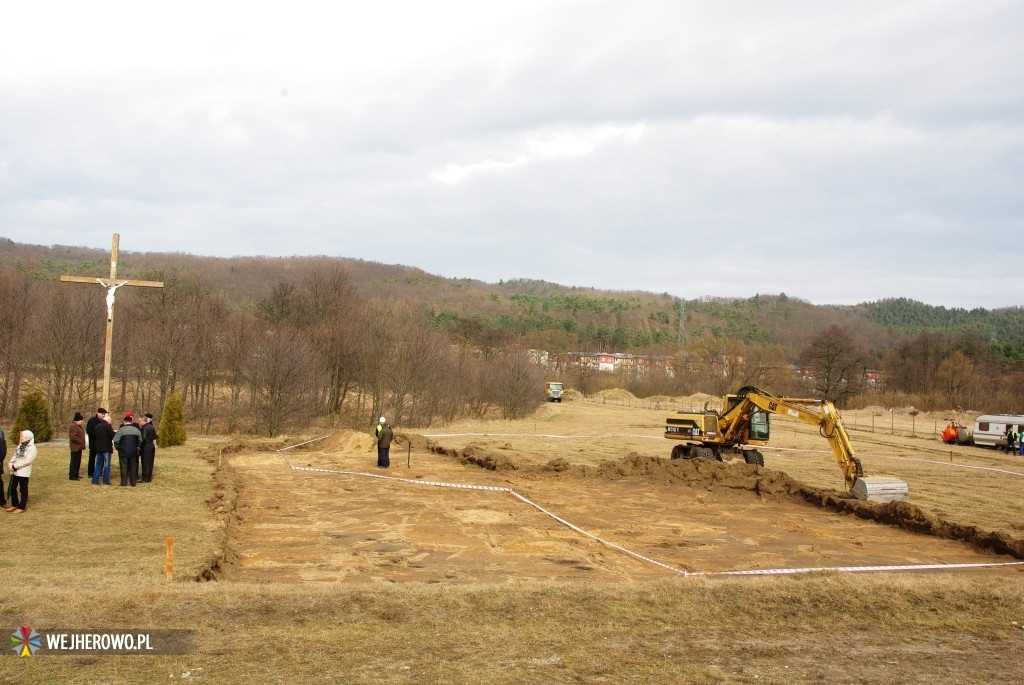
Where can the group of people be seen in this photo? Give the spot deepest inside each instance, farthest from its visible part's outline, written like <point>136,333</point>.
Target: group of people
<point>15,498</point>
<point>134,440</point>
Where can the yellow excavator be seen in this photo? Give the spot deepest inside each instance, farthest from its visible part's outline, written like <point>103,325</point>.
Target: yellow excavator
<point>743,425</point>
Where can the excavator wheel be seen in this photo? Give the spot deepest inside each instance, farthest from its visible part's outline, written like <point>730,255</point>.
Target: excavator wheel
<point>753,457</point>
<point>705,453</point>
<point>681,452</point>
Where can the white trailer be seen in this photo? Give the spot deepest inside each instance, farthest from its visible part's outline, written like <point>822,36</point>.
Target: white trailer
<point>990,429</point>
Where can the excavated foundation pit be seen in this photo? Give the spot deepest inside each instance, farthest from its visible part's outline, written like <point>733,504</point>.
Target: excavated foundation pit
<point>349,521</point>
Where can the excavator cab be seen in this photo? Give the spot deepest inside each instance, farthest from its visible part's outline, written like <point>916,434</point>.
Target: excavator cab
<point>759,425</point>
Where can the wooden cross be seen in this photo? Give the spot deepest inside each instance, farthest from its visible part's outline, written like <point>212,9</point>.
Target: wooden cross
<point>111,284</point>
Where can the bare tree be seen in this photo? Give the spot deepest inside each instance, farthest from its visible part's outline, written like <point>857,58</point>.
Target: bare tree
<point>712,359</point>
<point>759,365</point>
<point>236,344</point>
<point>838,363</point>
<point>17,303</point>
<point>69,343</point>
<point>280,366</point>
<point>517,383</point>
<point>911,365</point>
<point>202,374</point>
<point>376,353</point>
<point>335,316</point>
<point>169,322</point>
<point>957,381</point>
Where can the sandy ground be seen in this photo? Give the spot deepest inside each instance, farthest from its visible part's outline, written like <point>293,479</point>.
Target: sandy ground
<point>604,504</point>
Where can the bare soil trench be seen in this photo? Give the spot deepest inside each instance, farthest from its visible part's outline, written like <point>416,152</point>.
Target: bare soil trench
<point>352,522</point>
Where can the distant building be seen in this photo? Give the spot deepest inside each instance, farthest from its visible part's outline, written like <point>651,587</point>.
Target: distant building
<point>636,364</point>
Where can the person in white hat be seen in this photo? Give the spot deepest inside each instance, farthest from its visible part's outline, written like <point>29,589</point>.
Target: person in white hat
<point>384,437</point>
<point>21,470</point>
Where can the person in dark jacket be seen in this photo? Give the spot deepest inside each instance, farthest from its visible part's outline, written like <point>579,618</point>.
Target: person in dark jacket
<point>90,424</point>
<point>76,441</point>
<point>128,442</point>
<point>148,448</point>
<point>101,439</point>
<point>384,437</point>
<point>3,455</point>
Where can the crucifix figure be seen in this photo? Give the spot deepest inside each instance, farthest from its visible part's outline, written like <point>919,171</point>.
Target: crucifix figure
<point>111,284</point>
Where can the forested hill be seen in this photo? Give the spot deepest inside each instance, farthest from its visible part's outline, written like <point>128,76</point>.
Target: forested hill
<point>1002,328</point>
<point>540,314</point>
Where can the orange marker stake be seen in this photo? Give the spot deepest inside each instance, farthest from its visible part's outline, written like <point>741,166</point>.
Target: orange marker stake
<point>170,559</point>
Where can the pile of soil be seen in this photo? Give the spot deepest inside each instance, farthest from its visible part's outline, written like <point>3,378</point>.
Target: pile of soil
<point>357,442</point>
<point>348,441</point>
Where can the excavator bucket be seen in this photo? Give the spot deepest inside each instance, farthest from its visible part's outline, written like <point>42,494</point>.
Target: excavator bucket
<point>880,489</point>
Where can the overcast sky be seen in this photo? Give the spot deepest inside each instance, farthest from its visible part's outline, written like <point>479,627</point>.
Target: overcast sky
<point>837,152</point>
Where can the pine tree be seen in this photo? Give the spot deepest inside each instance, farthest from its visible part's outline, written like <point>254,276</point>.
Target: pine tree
<point>34,415</point>
<point>172,423</point>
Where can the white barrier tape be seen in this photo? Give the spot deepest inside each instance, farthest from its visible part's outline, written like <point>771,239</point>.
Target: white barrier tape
<point>641,557</point>
<point>414,481</point>
<point>892,456</point>
<point>852,569</point>
<point>959,466</point>
<point>595,537</point>
<point>516,435</point>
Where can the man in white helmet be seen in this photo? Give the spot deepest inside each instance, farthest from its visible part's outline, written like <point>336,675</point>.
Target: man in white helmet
<point>384,437</point>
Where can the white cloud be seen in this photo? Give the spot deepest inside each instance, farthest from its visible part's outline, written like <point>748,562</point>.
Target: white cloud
<point>833,152</point>
<point>531,146</point>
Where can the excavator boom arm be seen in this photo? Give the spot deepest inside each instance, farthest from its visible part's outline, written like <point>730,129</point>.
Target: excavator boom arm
<point>821,413</point>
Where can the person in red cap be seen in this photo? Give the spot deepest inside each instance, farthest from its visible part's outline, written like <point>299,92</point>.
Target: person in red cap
<point>128,442</point>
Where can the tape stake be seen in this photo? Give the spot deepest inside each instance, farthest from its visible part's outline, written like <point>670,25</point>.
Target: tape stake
<point>170,559</point>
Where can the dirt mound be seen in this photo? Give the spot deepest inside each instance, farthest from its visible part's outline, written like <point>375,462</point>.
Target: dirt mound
<point>417,441</point>
<point>694,473</point>
<point>476,455</point>
<point>348,441</point>
<point>615,395</point>
<point>357,442</point>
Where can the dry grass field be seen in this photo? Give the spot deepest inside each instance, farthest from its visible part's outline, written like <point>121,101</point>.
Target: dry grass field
<point>333,571</point>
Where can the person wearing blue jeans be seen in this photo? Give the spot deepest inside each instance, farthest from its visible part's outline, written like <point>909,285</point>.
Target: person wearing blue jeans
<point>102,468</point>
<point>384,437</point>
<point>101,438</point>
